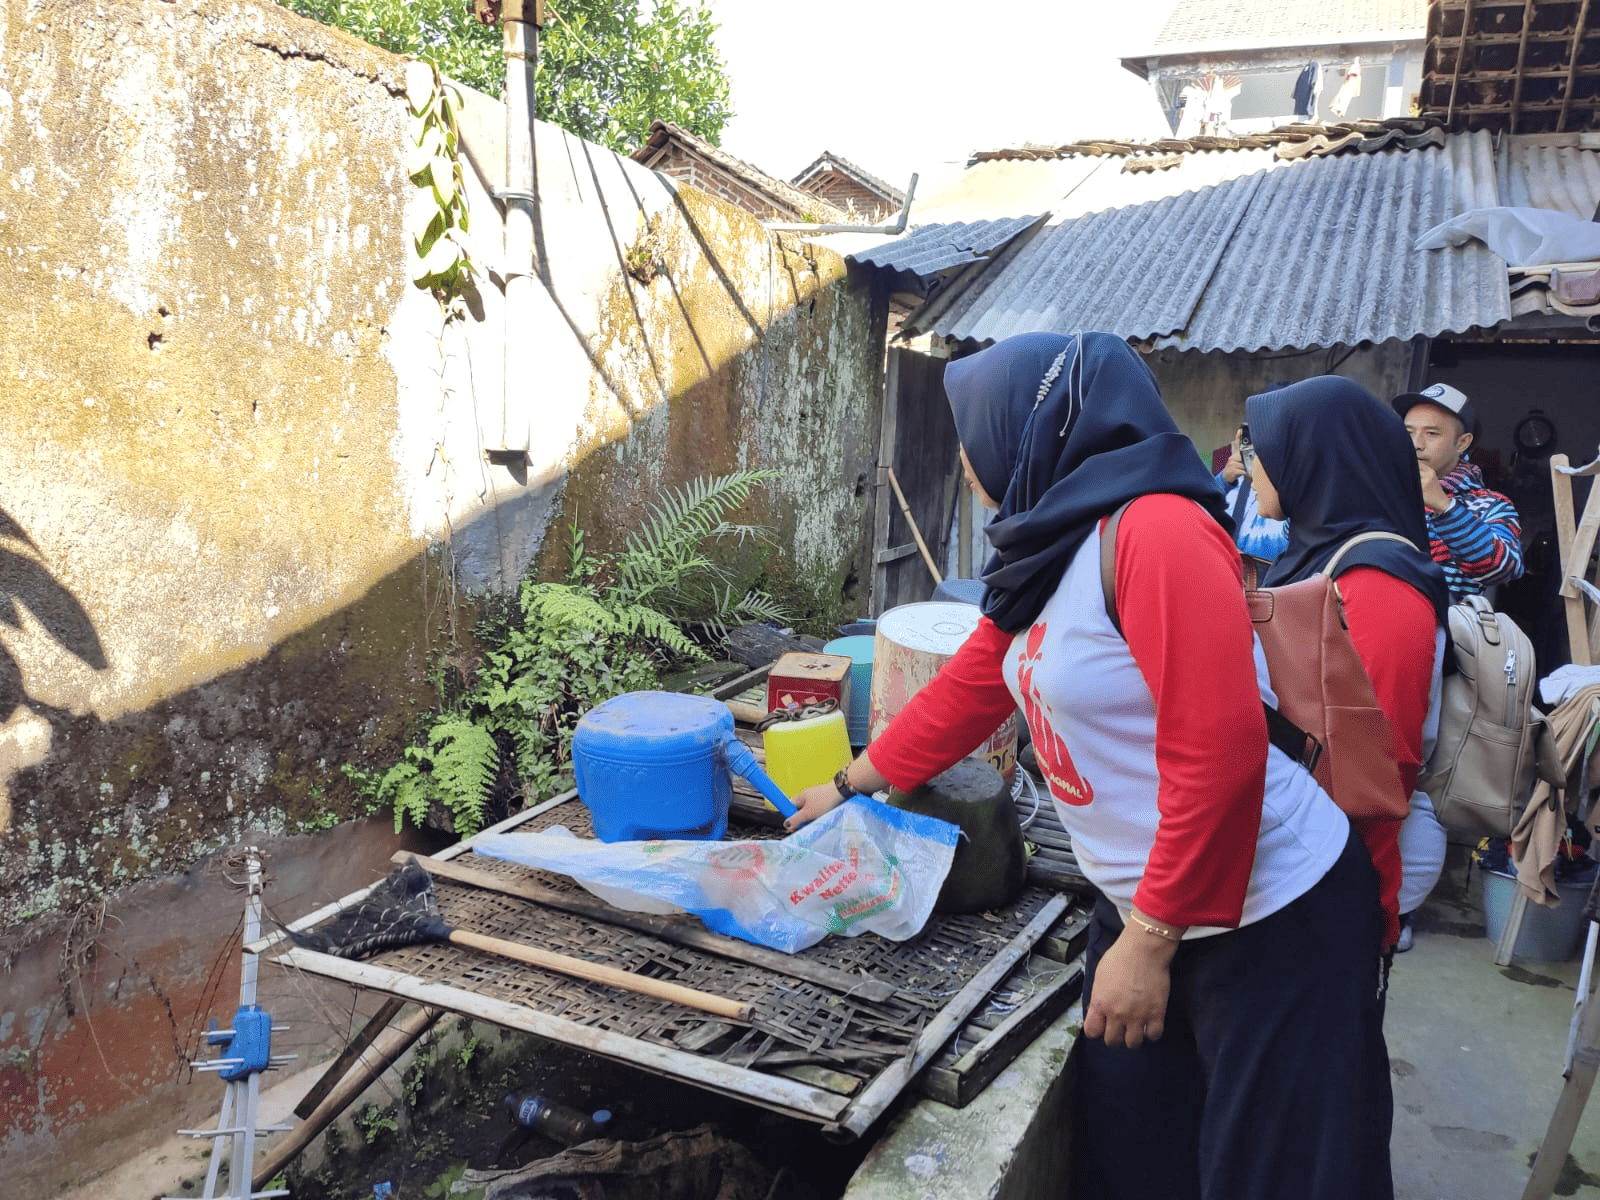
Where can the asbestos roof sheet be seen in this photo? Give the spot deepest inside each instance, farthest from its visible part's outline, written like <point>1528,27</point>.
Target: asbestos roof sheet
<point>934,248</point>
<point>1246,250</point>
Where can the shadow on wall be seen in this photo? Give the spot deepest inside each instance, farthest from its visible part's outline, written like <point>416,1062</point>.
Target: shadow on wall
<point>25,582</point>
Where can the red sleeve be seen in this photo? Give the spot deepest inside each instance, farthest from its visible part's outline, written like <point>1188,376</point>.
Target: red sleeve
<point>952,716</point>
<point>1394,630</point>
<point>1182,607</point>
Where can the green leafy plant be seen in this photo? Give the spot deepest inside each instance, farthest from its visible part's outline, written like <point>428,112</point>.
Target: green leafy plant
<point>605,68</point>
<point>612,626</point>
<point>433,162</point>
<point>376,1120</point>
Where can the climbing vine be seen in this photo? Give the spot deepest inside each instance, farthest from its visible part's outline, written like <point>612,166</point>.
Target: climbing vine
<point>438,215</point>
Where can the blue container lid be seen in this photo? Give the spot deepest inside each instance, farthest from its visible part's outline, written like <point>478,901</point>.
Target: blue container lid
<point>637,720</point>
<point>858,648</point>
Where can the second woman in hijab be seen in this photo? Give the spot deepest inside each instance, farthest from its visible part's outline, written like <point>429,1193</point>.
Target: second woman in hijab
<point>1337,462</point>
<point>1232,1048</point>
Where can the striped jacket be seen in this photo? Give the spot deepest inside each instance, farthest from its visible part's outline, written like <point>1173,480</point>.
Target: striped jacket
<point>1478,541</point>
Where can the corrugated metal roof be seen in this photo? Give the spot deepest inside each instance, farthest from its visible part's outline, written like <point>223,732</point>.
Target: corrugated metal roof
<point>1556,170</point>
<point>1244,250</point>
<point>934,248</point>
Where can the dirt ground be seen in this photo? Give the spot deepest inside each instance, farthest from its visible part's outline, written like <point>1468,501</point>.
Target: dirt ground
<point>411,1134</point>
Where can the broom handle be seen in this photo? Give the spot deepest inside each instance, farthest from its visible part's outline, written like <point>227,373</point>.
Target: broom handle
<point>600,973</point>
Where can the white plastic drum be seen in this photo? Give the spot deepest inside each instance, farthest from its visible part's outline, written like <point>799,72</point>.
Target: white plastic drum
<point>912,643</point>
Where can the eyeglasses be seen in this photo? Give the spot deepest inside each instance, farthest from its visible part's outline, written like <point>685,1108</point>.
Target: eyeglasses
<point>1247,451</point>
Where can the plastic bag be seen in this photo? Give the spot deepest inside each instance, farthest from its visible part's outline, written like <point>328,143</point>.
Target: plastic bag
<point>863,867</point>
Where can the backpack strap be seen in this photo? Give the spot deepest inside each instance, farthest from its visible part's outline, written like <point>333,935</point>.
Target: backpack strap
<point>1377,535</point>
<point>1281,731</point>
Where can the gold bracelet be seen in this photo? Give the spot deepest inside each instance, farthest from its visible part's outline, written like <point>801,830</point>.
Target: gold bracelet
<point>1161,931</point>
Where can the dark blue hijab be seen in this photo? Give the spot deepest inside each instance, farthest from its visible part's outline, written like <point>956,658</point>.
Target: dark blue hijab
<point>1343,465</point>
<point>1062,431</point>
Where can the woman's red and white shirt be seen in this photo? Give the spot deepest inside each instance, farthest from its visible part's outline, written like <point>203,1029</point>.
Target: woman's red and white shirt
<point>1152,741</point>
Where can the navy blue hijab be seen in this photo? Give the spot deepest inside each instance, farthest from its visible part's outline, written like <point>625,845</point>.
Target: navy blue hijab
<point>1343,465</point>
<point>1062,431</point>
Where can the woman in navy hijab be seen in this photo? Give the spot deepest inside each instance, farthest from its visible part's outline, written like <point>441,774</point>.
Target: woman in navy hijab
<point>1229,998</point>
<point>1338,461</point>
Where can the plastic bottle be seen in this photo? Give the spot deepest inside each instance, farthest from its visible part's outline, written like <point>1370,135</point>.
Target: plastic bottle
<point>556,1121</point>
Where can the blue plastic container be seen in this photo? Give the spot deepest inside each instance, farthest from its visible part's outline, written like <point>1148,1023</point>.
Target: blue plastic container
<point>648,765</point>
<point>858,649</point>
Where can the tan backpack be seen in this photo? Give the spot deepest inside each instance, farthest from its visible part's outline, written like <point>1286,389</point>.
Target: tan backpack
<point>1327,717</point>
<point>1491,739</point>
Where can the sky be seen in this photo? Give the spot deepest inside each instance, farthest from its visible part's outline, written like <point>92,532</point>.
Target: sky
<point>919,84</point>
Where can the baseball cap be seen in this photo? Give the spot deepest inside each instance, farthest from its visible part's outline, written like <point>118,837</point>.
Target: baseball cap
<point>1446,397</point>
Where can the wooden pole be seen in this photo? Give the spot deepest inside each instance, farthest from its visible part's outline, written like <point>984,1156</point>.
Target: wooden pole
<point>386,1048</point>
<point>564,964</point>
<point>916,533</point>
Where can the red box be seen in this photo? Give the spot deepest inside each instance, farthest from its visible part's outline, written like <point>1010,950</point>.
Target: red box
<point>799,679</point>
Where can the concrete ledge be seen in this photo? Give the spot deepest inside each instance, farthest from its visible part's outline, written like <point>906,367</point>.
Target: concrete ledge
<point>1011,1143</point>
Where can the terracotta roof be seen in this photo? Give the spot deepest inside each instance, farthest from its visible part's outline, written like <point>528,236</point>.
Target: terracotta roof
<point>1289,141</point>
<point>828,160</point>
<point>1245,24</point>
<point>786,198</point>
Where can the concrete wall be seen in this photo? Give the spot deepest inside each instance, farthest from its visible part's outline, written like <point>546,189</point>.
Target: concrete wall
<point>245,499</point>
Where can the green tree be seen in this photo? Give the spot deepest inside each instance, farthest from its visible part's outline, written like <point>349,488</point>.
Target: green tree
<point>605,69</point>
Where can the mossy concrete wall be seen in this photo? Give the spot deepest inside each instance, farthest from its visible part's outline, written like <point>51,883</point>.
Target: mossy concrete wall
<point>244,498</point>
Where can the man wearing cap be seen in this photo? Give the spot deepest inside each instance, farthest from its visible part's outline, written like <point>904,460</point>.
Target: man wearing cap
<point>1474,532</point>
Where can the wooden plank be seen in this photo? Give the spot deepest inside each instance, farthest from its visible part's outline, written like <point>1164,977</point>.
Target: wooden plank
<point>781,1095</point>
<point>894,554</point>
<point>1057,875</point>
<point>1571,598</point>
<point>882,504</point>
<point>957,1083</point>
<point>352,1051</point>
<point>817,1076</point>
<point>869,1106</point>
<point>668,929</point>
<point>1069,938</point>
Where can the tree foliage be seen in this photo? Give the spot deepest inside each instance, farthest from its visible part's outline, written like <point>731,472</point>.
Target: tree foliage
<point>605,69</point>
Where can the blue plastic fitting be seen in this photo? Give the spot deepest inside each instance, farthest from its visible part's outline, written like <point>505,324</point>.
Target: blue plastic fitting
<point>741,762</point>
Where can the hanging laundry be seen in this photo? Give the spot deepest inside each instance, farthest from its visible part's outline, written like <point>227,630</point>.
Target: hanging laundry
<point>1348,91</point>
<point>1307,90</point>
<point>1192,101</point>
<point>1220,91</point>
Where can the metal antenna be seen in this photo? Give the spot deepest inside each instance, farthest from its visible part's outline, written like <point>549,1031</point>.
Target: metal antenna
<point>246,1051</point>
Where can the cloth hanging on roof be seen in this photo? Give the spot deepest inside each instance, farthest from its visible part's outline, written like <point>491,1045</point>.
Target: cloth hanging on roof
<point>1536,840</point>
<point>1524,237</point>
<point>1348,91</point>
<point>1307,90</point>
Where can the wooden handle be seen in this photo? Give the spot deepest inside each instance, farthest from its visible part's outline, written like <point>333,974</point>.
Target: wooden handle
<point>750,714</point>
<point>912,522</point>
<point>600,973</point>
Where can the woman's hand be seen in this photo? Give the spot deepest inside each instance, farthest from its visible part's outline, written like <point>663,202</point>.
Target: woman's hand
<point>812,803</point>
<point>1129,1003</point>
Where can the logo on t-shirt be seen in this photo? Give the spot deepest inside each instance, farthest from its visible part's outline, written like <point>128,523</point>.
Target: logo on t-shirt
<point>1055,760</point>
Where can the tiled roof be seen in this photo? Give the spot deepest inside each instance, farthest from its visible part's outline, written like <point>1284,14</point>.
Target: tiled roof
<point>828,159</point>
<point>784,196</point>
<point>1245,24</point>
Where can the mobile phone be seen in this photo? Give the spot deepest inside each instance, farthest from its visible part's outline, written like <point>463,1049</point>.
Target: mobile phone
<point>1247,451</point>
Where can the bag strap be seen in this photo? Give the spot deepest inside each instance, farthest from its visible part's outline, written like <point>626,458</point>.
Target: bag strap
<point>1377,535</point>
<point>1281,731</point>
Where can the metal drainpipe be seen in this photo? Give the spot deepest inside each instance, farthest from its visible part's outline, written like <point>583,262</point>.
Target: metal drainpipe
<point>898,225</point>
<point>520,22</point>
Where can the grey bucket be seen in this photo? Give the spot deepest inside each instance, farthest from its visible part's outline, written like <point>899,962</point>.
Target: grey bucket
<point>1547,934</point>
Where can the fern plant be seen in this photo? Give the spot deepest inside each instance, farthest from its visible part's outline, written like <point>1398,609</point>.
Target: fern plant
<point>612,626</point>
